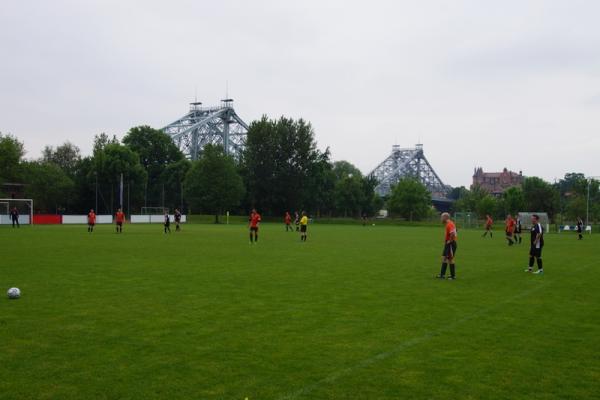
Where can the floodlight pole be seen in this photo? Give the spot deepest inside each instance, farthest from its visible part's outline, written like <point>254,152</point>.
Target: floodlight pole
<point>587,206</point>
<point>96,173</point>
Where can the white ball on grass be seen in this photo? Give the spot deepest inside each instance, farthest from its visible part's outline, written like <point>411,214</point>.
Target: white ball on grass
<point>13,293</point>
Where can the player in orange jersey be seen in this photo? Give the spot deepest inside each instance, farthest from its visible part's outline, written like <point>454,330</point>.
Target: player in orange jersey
<point>91,220</point>
<point>120,218</point>
<point>449,253</point>
<point>254,221</point>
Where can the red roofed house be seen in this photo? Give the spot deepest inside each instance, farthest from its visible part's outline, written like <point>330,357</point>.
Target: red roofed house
<point>496,182</point>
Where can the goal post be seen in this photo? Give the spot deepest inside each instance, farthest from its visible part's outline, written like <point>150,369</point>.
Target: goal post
<point>466,219</point>
<point>154,210</point>
<point>24,208</point>
<point>525,218</point>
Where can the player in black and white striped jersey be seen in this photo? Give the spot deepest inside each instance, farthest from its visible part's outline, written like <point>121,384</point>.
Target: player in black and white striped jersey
<point>537,244</point>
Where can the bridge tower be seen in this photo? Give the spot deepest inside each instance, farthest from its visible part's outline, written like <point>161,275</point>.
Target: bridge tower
<point>408,162</point>
<point>203,125</point>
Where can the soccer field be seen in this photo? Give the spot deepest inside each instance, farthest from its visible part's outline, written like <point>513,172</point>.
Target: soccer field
<point>354,313</point>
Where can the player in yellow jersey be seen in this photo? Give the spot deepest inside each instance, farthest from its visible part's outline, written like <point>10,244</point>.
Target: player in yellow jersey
<point>303,226</point>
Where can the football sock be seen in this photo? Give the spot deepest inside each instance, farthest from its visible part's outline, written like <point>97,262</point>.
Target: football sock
<point>539,263</point>
<point>452,270</point>
<point>443,270</point>
<point>530,262</point>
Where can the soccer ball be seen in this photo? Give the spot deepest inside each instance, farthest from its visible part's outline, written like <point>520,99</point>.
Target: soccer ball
<point>13,293</point>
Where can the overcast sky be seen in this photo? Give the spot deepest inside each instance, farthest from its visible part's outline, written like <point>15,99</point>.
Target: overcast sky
<point>479,83</point>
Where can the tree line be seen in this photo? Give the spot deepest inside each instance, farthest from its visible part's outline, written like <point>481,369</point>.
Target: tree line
<point>281,169</point>
<point>564,200</point>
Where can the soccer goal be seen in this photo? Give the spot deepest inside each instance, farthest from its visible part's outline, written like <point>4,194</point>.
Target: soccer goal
<point>525,218</point>
<point>24,209</point>
<point>154,210</point>
<point>466,219</point>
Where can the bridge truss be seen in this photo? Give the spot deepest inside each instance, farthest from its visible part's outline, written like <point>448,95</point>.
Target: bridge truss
<point>203,125</point>
<point>408,162</point>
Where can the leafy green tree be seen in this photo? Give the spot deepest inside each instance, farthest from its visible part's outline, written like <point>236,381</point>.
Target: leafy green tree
<point>321,183</point>
<point>573,183</point>
<point>486,206</point>
<point>66,156</point>
<point>278,160</point>
<point>349,195</point>
<point>48,185</point>
<point>344,169</point>
<point>576,207</point>
<point>156,151</point>
<point>102,140</point>
<point>372,201</point>
<point>109,163</point>
<point>410,199</point>
<point>173,177</point>
<point>213,184</point>
<point>11,153</point>
<point>513,200</point>
<point>540,196</point>
<point>468,200</point>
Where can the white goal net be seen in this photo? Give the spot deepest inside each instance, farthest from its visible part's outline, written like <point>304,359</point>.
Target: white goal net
<point>154,210</point>
<point>525,218</point>
<point>16,210</point>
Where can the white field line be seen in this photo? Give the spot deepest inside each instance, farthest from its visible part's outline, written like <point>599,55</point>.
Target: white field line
<point>409,343</point>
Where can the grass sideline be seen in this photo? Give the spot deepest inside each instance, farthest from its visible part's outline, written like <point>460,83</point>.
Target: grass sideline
<point>352,313</point>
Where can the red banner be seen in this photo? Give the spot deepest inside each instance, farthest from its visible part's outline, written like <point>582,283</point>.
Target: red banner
<point>46,219</point>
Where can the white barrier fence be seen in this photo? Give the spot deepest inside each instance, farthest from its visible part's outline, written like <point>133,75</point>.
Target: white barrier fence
<point>82,219</point>
<point>154,219</point>
<point>7,220</point>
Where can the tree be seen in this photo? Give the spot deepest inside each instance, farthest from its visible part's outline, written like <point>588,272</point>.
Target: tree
<point>66,156</point>
<point>372,201</point>
<point>11,153</point>
<point>213,184</point>
<point>573,183</point>
<point>321,184</point>
<point>468,200</point>
<point>48,185</point>
<point>277,164</point>
<point>102,140</point>
<point>576,207</point>
<point>486,205</point>
<point>539,196</point>
<point>109,163</point>
<point>173,177</point>
<point>513,200</point>
<point>410,199</point>
<point>156,151</point>
<point>344,169</point>
<point>349,195</point>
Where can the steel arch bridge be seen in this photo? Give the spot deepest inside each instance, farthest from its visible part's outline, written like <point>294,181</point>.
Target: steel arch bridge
<point>203,125</point>
<point>408,162</point>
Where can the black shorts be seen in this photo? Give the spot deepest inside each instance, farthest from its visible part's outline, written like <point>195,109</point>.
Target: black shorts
<point>303,228</point>
<point>254,229</point>
<point>91,224</point>
<point>509,234</point>
<point>449,250</point>
<point>535,251</point>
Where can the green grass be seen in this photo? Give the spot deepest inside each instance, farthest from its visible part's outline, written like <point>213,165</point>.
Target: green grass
<point>354,313</point>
